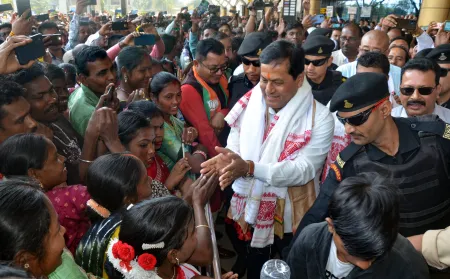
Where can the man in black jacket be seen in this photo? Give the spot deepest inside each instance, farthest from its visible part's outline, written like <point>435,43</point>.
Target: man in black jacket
<point>360,238</point>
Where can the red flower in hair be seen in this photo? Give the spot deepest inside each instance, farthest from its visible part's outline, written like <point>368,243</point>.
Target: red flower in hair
<point>124,252</point>
<point>147,261</point>
<point>114,250</point>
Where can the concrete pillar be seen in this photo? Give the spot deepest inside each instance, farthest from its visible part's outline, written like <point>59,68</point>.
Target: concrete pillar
<point>123,6</point>
<point>315,7</point>
<point>434,10</point>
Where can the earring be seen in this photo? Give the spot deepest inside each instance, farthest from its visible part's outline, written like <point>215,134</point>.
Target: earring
<point>178,261</point>
<point>26,266</point>
<point>126,79</point>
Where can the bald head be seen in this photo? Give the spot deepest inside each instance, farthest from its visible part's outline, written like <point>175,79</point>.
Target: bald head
<point>375,40</point>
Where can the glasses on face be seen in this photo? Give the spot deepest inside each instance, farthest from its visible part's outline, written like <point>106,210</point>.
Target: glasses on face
<point>255,63</point>
<point>365,50</point>
<point>214,70</point>
<point>348,39</point>
<point>316,63</point>
<point>360,118</point>
<point>408,91</point>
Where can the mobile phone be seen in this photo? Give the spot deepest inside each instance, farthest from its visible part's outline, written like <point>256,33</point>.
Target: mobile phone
<point>132,16</point>
<point>336,25</point>
<point>119,25</point>
<point>6,7</point>
<point>145,40</point>
<point>31,51</point>
<point>55,38</point>
<point>408,24</point>
<point>317,19</point>
<point>104,18</point>
<point>42,17</point>
<point>213,9</point>
<point>22,6</point>
<point>447,26</point>
<point>84,18</point>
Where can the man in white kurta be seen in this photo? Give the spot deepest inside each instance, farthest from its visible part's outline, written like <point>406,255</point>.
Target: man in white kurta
<point>279,138</point>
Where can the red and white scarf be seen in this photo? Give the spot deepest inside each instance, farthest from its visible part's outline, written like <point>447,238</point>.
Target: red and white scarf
<point>288,132</point>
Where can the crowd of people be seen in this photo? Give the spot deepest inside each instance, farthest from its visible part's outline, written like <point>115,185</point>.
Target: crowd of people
<point>326,147</point>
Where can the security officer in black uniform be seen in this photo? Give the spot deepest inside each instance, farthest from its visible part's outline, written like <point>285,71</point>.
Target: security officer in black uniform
<point>249,51</point>
<point>441,55</point>
<point>318,59</point>
<point>413,153</point>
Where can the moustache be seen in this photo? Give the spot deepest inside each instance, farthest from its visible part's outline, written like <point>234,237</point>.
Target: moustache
<point>415,103</point>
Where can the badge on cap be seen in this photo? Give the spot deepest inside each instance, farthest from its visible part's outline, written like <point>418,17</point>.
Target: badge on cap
<point>347,104</point>
<point>320,50</point>
<point>442,57</point>
<point>259,52</point>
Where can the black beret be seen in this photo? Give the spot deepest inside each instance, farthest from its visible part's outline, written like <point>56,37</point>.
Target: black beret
<point>359,91</point>
<point>254,43</point>
<point>321,31</point>
<point>440,54</point>
<point>423,53</point>
<point>318,45</point>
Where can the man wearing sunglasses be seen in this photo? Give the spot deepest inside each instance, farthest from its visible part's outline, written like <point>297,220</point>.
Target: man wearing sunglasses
<point>249,51</point>
<point>324,81</point>
<point>414,152</point>
<point>205,94</point>
<point>420,90</point>
<point>441,55</point>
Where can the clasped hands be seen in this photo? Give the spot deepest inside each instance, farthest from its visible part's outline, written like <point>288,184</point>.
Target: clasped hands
<point>227,164</point>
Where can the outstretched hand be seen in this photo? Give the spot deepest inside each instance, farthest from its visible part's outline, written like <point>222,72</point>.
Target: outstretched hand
<point>229,165</point>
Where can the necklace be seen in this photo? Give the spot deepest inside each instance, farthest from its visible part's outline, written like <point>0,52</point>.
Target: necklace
<point>174,272</point>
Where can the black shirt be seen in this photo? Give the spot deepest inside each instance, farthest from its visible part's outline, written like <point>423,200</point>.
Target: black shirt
<point>324,91</point>
<point>239,85</point>
<point>446,104</point>
<point>409,146</point>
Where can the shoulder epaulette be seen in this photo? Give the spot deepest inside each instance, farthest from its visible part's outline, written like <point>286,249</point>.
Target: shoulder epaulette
<point>431,124</point>
<point>347,154</point>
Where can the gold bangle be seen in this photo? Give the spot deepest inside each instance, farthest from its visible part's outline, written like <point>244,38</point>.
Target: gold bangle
<point>202,226</point>
<point>11,34</point>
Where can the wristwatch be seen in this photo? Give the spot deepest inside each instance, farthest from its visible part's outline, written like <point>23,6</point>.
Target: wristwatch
<point>251,169</point>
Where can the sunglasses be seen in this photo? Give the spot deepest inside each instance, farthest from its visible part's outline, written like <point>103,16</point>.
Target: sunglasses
<point>255,63</point>
<point>316,63</point>
<point>408,91</point>
<point>360,118</point>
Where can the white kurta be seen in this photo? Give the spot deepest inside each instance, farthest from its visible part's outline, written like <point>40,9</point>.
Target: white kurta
<point>442,112</point>
<point>339,58</point>
<point>305,167</point>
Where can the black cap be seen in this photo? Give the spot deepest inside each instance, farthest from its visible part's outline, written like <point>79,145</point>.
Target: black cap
<point>359,91</point>
<point>423,53</point>
<point>440,54</point>
<point>318,45</point>
<point>253,44</point>
<point>321,31</point>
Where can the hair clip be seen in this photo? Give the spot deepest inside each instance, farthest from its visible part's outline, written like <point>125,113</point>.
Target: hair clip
<point>158,245</point>
<point>130,206</point>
